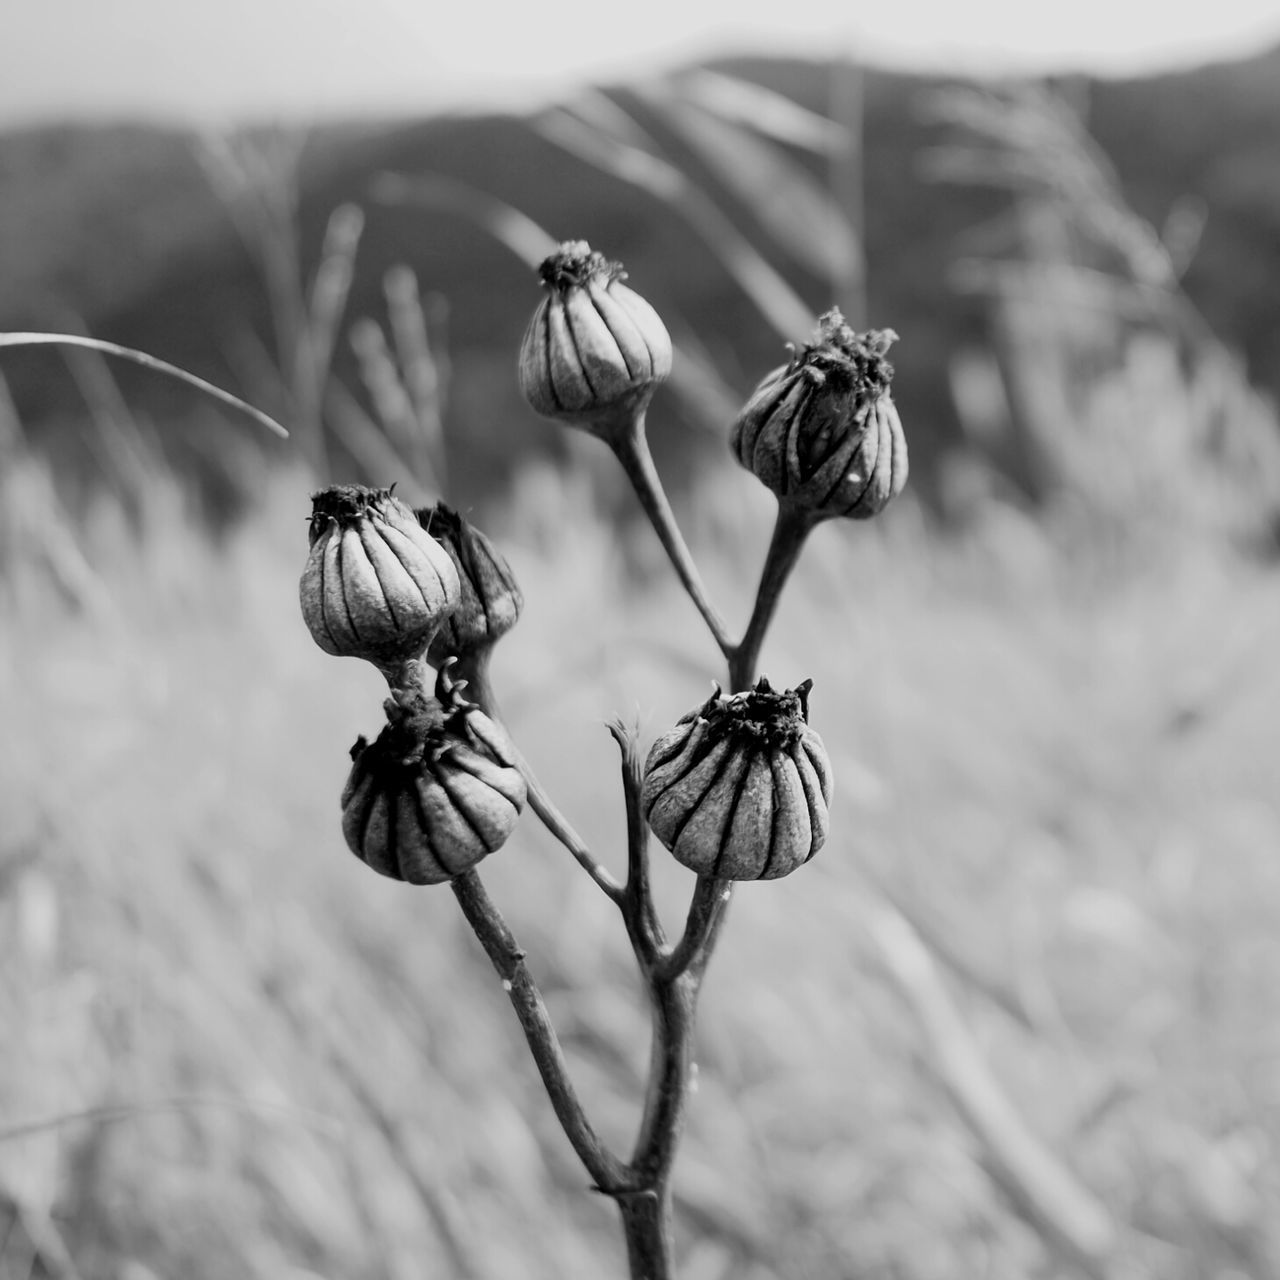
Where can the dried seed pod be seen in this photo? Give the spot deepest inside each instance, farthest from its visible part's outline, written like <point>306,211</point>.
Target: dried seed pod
<point>593,347</point>
<point>740,788</point>
<point>491,598</point>
<point>376,584</point>
<point>435,793</point>
<point>822,431</point>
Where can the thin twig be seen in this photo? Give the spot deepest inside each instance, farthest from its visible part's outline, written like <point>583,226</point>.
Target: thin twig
<point>790,531</point>
<point>504,952</point>
<point>643,925</point>
<point>632,450</point>
<point>475,671</point>
<point>147,362</point>
<point>710,897</point>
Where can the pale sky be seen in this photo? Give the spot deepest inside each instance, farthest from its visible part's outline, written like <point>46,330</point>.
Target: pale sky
<point>213,60</point>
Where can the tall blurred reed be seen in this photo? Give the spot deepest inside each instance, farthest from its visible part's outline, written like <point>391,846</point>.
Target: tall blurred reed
<point>1121,409</point>
<point>257,175</point>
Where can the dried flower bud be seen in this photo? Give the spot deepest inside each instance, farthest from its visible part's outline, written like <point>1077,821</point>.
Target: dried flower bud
<point>491,598</point>
<point>376,584</point>
<point>593,347</point>
<point>740,788</point>
<point>435,793</point>
<point>822,431</point>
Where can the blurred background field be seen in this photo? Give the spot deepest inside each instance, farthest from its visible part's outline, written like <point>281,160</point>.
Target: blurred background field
<point>1016,1020</point>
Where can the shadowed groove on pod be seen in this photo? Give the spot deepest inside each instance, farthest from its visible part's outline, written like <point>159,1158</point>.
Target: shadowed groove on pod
<point>740,788</point>
<point>436,792</point>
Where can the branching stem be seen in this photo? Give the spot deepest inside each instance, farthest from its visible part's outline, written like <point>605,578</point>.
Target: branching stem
<point>479,687</point>
<point>672,974</point>
<point>706,909</point>
<point>610,1174</point>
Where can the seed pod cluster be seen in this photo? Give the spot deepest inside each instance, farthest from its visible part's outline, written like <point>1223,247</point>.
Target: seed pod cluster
<point>435,793</point>
<point>376,585</point>
<point>822,432</point>
<point>491,599</point>
<point>593,344</point>
<point>740,788</point>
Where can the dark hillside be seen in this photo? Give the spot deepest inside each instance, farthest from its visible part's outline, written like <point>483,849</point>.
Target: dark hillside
<point>1212,134</point>
<point>121,227</point>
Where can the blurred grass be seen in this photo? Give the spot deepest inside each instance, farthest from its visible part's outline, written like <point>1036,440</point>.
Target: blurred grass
<point>233,1051</point>
<point>230,1050</point>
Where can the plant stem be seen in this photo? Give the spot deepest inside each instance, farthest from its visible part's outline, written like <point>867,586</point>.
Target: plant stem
<point>632,449</point>
<point>644,928</point>
<point>710,896</point>
<point>500,945</point>
<point>674,1003</point>
<point>475,669</point>
<point>646,1225</point>
<point>790,530</point>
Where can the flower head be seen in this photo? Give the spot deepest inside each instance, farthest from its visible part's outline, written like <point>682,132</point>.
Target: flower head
<point>376,584</point>
<point>436,792</point>
<point>594,348</point>
<point>822,431</point>
<point>740,788</point>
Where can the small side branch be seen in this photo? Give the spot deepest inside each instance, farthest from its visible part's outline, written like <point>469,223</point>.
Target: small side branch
<point>706,910</point>
<point>632,450</point>
<point>643,926</point>
<point>500,944</point>
<point>790,532</point>
<point>476,673</point>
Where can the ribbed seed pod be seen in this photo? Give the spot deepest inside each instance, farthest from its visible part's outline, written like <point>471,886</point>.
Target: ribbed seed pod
<point>822,431</point>
<point>435,793</point>
<point>593,345</point>
<point>491,598</point>
<point>376,584</point>
<point>741,787</point>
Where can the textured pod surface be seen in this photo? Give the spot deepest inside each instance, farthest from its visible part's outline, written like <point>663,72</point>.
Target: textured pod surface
<point>822,432</point>
<point>434,794</point>
<point>593,344</point>
<point>741,787</point>
<point>491,599</point>
<point>376,585</point>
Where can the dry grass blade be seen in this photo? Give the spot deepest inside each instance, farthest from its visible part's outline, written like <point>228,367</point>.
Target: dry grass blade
<point>313,1120</point>
<point>331,284</point>
<point>776,301</point>
<point>769,113</point>
<point>710,399</point>
<point>361,436</point>
<point>123,441</point>
<point>524,237</point>
<point>1027,138</point>
<point>1069,1218</point>
<point>790,205</point>
<point>147,362</point>
<point>422,363</point>
<point>391,401</point>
